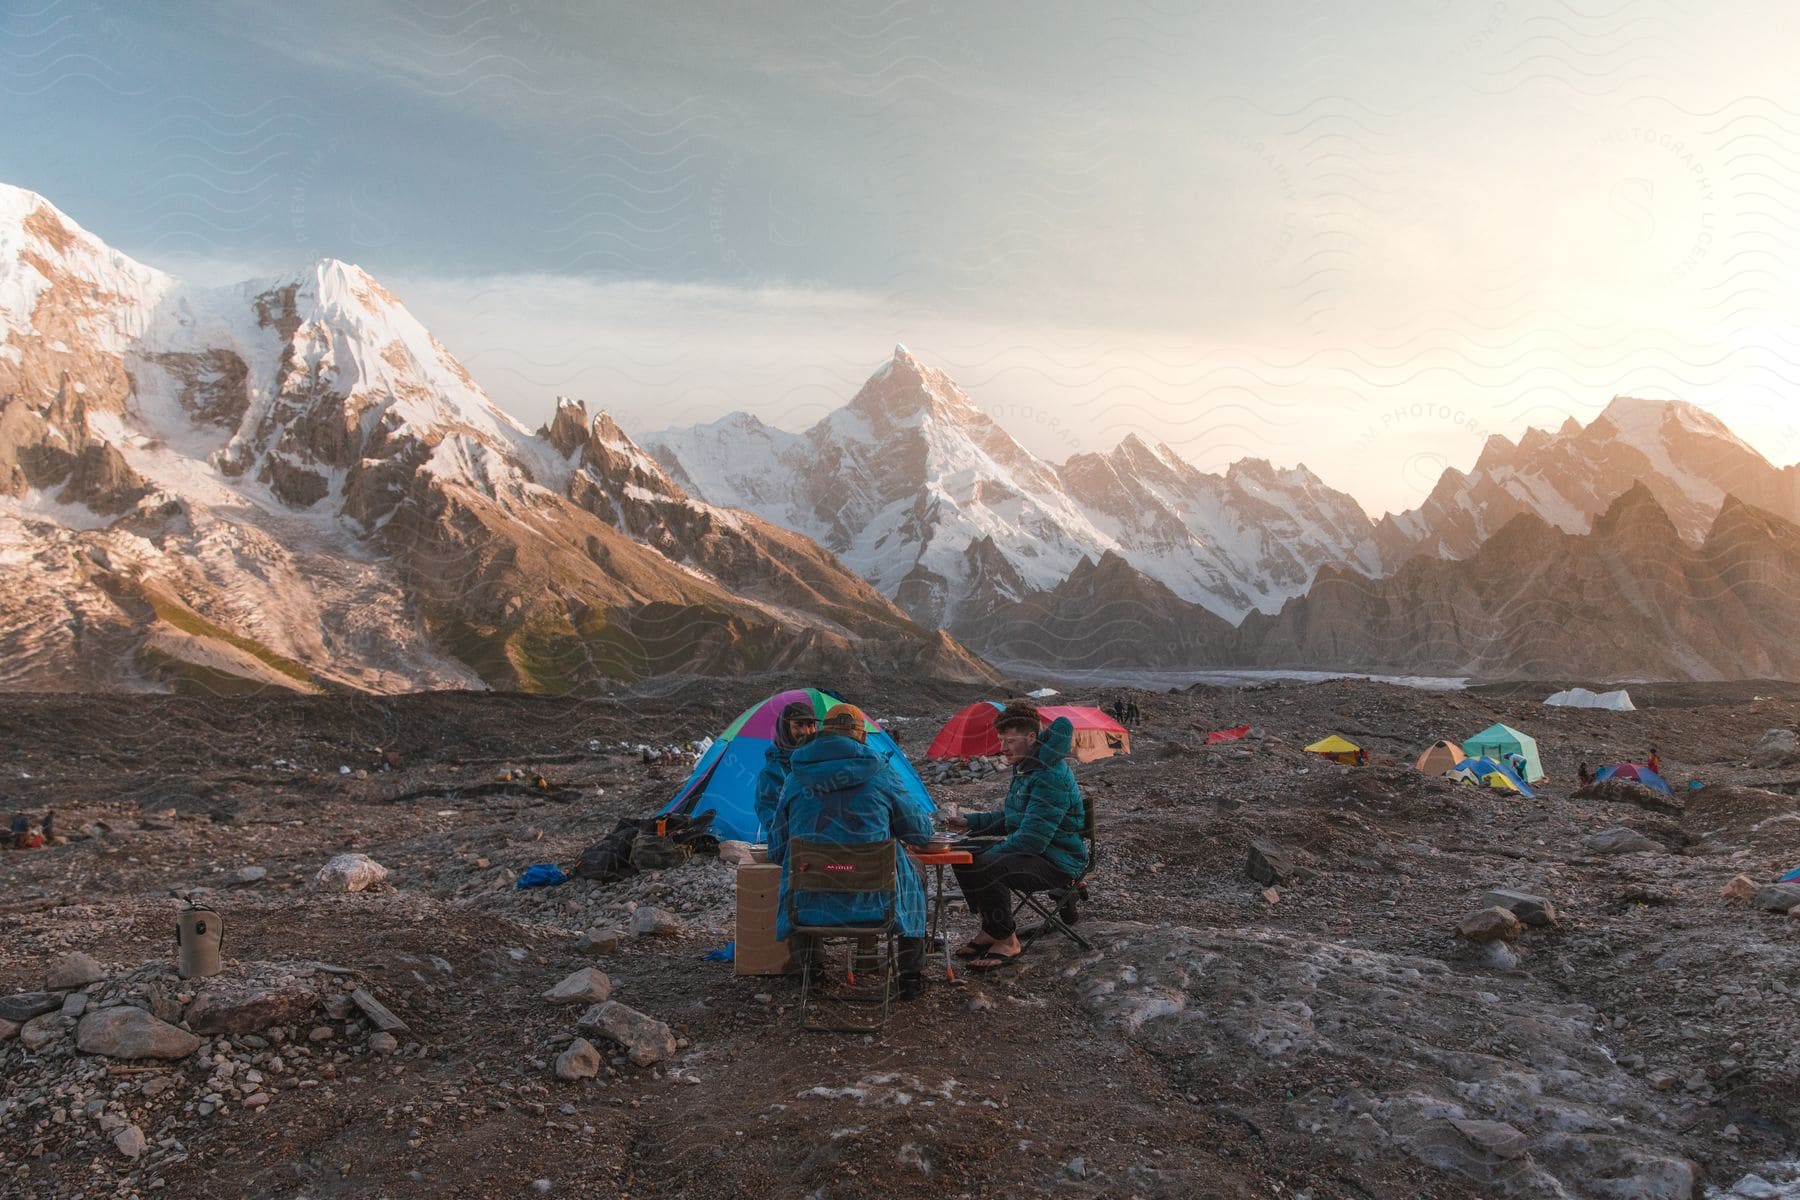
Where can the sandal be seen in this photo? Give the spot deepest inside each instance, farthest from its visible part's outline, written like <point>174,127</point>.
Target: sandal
<point>993,961</point>
<point>972,949</point>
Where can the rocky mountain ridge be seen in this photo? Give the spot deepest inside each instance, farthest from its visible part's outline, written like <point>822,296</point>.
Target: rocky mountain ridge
<point>292,483</point>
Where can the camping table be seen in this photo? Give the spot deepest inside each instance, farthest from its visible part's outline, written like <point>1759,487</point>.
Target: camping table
<point>940,859</point>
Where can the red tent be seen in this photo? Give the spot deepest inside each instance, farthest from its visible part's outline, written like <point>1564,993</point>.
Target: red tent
<point>1226,735</point>
<point>970,732</point>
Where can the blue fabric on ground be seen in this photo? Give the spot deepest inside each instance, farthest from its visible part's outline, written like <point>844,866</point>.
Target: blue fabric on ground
<point>541,875</point>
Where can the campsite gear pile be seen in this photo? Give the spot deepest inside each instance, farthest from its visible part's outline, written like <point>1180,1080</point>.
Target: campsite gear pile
<point>965,770</point>
<point>645,844</point>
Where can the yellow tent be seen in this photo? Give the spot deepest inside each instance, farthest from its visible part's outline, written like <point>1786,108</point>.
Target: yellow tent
<point>1336,749</point>
<point>1477,778</point>
<point>1441,758</point>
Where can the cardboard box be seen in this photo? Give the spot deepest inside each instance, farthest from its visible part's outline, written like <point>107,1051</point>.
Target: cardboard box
<point>758,951</point>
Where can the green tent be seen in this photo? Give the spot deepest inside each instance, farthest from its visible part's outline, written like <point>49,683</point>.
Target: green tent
<point>1498,741</point>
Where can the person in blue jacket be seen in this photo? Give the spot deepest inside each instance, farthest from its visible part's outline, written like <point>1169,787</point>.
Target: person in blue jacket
<point>1042,847</point>
<point>841,791</point>
<point>795,727</point>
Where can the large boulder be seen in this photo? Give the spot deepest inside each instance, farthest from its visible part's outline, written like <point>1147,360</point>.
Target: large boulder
<point>1778,748</point>
<point>1778,897</point>
<point>222,1010</point>
<point>1489,925</point>
<point>586,986</point>
<point>1269,863</point>
<point>126,1032</point>
<point>1532,910</point>
<point>1618,840</point>
<point>73,970</point>
<point>26,1005</point>
<point>645,1039</point>
<point>350,873</point>
<point>579,1061</point>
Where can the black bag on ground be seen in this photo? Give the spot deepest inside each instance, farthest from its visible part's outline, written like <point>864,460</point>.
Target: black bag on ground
<point>644,843</point>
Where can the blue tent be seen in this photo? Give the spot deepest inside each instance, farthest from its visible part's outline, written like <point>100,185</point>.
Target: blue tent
<point>1483,771</point>
<point>724,780</point>
<point>1641,774</point>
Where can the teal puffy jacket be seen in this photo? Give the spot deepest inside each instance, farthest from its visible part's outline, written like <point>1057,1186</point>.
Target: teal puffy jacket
<point>1044,810</point>
<point>842,792</point>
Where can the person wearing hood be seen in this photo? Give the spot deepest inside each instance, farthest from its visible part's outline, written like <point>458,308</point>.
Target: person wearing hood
<point>1041,824</point>
<point>842,791</point>
<point>795,727</point>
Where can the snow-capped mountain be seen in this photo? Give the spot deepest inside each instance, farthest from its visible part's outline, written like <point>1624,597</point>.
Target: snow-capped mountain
<point>292,483</point>
<point>932,501</point>
<point>1687,458</point>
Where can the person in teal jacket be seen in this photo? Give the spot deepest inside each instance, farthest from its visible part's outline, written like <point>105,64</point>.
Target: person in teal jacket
<point>841,791</point>
<point>794,729</point>
<point>1041,822</point>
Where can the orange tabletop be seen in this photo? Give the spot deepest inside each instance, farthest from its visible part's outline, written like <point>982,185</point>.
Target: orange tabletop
<point>941,858</point>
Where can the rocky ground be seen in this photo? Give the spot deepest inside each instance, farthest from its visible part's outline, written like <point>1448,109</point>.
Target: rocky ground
<point>1320,1031</point>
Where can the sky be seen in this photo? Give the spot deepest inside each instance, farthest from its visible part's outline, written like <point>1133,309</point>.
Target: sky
<point>1365,236</point>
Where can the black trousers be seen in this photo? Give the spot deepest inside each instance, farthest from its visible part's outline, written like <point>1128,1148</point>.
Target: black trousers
<point>986,882</point>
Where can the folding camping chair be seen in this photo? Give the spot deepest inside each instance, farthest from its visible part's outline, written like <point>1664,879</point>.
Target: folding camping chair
<point>1060,906</point>
<point>823,868</point>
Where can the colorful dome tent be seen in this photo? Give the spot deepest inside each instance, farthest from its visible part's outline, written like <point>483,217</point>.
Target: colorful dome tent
<point>1497,741</point>
<point>1335,748</point>
<point>724,779</point>
<point>1441,758</point>
<point>1637,772</point>
<point>1485,772</point>
<point>970,732</point>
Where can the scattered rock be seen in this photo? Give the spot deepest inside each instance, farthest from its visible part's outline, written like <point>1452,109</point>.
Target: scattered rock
<point>39,1032</point>
<point>1531,910</point>
<point>26,1005</point>
<point>321,1033</point>
<point>383,1043</point>
<point>72,970</point>
<point>601,941</point>
<point>1271,896</point>
<point>8,1029</point>
<point>351,873</point>
<point>579,1061</point>
<point>586,986</point>
<point>74,1004</point>
<point>1269,863</point>
<point>219,1010</point>
<point>649,921</point>
<point>378,1012</point>
<point>1777,897</point>
<point>1489,925</point>
<point>1740,890</point>
<point>248,875</point>
<point>645,1039</point>
<point>126,1032</point>
<point>129,1141</point>
<point>1618,840</point>
<point>1495,1137</point>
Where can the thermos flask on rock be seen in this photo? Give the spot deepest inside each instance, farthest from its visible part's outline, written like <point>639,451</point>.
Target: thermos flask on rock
<point>198,934</point>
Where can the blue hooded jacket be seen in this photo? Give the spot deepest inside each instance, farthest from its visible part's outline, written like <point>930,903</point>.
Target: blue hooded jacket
<point>842,792</point>
<point>1044,810</point>
<point>769,782</point>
